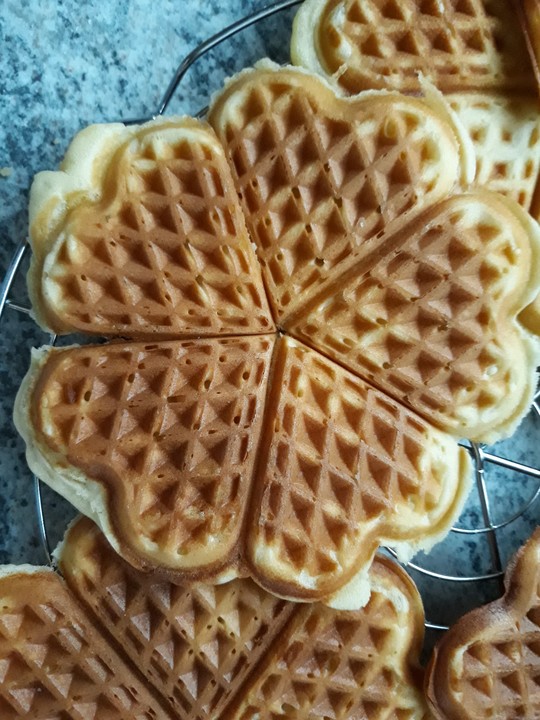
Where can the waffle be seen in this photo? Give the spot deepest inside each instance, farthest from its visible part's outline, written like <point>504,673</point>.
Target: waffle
<point>210,459</point>
<point>159,442</point>
<point>140,234</point>
<point>458,45</point>
<point>54,665</point>
<point>370,259</point>
<point>233,651</point>
<point>487,665</point>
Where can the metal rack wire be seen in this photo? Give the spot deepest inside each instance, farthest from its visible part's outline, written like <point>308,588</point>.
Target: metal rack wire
<point>482,458</point>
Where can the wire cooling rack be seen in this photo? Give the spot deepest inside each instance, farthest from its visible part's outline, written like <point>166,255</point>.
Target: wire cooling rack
<point>482,536</point>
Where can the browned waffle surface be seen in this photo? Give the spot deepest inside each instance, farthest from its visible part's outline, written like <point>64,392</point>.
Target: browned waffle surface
<point>488,664</point>
<point>331,664</point>
<point>197,645</point>
<point>343,469</point>
<point>179,449</point>
<point>457,44</point>
<point>410,291</point>
<point>166,436</point>
<point>54,665</point>
<point>225,652</point>
<point>322,178</point>
<point>141,235</point>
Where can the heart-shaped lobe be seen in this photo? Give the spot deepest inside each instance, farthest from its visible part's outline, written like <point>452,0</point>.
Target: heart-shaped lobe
<point>141,235</point>
<point>157,443</point>
<point>324,179</point>
<point>487,665</point>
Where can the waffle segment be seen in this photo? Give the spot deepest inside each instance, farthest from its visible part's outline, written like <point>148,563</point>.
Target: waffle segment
<point>345,665</point>
<point>342,470</point>
<point>488,664</point>
<point>140,234</point>
<point>54,665</point>
<point>457,44</point>
<point>155,442</point>
<point>323,178</point>
<point>196,644</point>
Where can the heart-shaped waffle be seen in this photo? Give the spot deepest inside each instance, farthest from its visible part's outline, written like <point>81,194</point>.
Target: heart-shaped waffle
<point>488,664</point>
<point>234,651</point>
<point>142,235</point>
<point>258,454</point>
<point>253,454</point>
<point>419,297</point>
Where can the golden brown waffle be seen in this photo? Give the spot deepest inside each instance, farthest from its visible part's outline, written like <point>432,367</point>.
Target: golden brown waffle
<point>488,664</point>
<point>173,448</point>
<point>159,440</point>
<point>141,235</point>
<point>457,44</point>
<point>322,179</point>
<point>235,652</point>
<point>343,469</point>
<point>414,293</point>
<point>54,665</point>
<point>474,51</point>
<point>197,645</point>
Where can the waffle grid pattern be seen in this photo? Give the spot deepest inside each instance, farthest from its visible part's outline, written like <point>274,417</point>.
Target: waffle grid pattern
<point>314,192</point>
<point>329,430</point>
<point>197,644</point>
<point>53,665</point>
<point>168,254</point>
<point>424,322</point>
<point>506,136</point>
<point>234,651</point>
<point>191,456</point>
<point>457,44</point>
<point>330,665</point>
<point>487,665</point>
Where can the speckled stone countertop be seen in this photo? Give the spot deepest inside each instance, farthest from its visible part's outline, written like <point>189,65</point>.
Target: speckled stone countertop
<point>66,64</point>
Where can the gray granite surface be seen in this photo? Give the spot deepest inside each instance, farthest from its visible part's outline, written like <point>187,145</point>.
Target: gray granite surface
<point>65,64</point>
